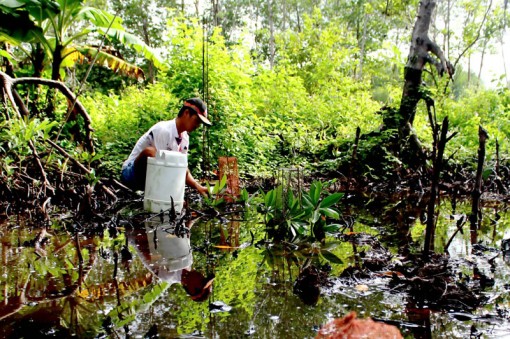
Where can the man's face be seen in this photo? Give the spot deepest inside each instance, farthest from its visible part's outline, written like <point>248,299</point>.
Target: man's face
<point>192,121</point>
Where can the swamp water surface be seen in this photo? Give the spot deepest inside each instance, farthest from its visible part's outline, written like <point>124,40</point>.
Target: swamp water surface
<point>121,282</point>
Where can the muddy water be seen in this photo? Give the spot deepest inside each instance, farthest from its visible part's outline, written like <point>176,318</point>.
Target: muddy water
<point>127,280</point>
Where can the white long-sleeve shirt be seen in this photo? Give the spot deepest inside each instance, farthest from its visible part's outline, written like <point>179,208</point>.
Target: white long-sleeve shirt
<point>164,136</point>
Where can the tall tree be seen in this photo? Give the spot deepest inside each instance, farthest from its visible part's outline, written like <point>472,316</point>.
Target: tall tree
<point>146,19</point>
<point>271,33</point>
<point>423,51</point>
<point>470,28</point>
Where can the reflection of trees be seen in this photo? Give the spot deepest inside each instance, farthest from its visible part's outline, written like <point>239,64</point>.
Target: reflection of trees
<point>42,285</point>
<point>38,278</point>
<point>59,282</point>
<point>229,236</point>
<point>275,303</point>
<point>397,215</point>
<point>255,280</point>
<point>280,258</point>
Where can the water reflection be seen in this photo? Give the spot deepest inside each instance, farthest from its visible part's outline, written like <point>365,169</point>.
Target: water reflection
<point>77,285</point>
<point>165,250</point>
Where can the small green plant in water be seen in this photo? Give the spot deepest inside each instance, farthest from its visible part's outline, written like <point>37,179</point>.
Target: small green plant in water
<point>318,205</point>
<point>216,197</point>
<point>289,217</point>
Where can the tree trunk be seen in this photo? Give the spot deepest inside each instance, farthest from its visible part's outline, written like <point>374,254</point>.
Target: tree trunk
<point>504,64</point>
<point>284,15</point>
<point>57,61</point>
<point>271,32</point>
<point>197,8</point>
<point>422,51</point>
<point>430,231</point>
<point>469,71</point>
<point>475,215</point>
<point>362,47</point>
<point>216,12</point>
<point>38,60</point>
<point>481,63</point>
<point>151,78</point>
<point>298,18</point>
<point>446,42</point>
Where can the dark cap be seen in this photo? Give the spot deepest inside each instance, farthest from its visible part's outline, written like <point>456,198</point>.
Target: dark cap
<point>202,113</point>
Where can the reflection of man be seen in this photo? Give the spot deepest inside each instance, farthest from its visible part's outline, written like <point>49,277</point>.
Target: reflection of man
<point>169,257</point>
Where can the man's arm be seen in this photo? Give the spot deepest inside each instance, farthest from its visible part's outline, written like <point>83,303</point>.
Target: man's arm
<point>191,182</point>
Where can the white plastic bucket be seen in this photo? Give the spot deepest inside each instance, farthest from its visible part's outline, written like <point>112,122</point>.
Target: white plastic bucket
<point>165,179</point>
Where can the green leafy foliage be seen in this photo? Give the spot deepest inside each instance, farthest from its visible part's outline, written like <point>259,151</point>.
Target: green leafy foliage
<point>51,28</point>
<point>290,217</point>
<point>15,136</point>
<point>304,110</point>
<point>21,17</point>
<point>121,119</point>
<point>216,192</point>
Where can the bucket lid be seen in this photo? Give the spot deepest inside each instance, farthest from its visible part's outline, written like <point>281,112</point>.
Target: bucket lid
<point>169,158</point>
<point>164,154</point>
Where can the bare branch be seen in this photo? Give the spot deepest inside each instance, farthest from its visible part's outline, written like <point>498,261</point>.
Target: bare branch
<point>468,47</point>
<point>80,165</point>
<point>8,83</point>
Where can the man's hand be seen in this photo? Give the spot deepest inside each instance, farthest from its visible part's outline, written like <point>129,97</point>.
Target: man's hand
<point>203,190</point>
<point>190,181</point>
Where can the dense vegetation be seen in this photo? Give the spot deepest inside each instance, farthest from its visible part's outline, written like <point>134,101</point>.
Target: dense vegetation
<point>283,89</point>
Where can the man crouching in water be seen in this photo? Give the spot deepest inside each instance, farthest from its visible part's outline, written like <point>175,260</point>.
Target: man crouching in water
<point>171,135</point>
